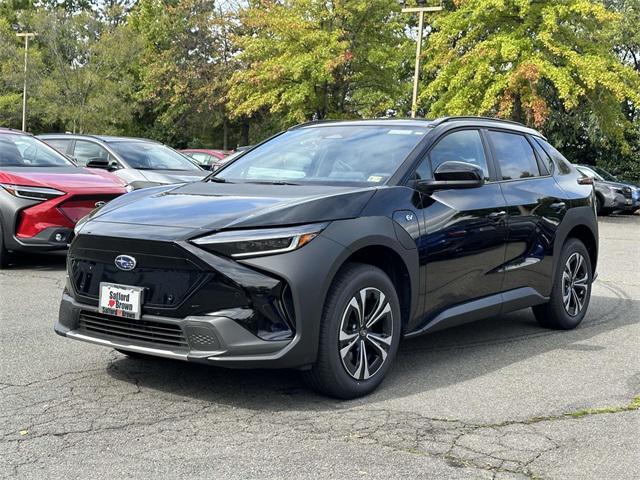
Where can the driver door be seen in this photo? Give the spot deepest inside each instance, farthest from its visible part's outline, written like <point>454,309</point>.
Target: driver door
<point>464,233</point>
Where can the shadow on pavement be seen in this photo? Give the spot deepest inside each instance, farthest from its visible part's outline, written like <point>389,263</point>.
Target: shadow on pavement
<point>51,261</point>
<point>429,362</point>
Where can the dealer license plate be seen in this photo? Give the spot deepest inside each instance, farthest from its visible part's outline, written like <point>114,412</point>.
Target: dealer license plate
<point>121,300</point>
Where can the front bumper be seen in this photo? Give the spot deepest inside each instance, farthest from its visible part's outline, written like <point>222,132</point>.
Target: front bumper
<point>208,318</point>
<point>205,339</point>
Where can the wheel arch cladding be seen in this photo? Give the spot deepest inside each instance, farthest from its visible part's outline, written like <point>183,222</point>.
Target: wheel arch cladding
<point>585,235</point>
<point>581,223</point>
<point>382,250</point>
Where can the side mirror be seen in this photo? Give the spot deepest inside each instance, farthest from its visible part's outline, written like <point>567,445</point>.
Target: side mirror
<point>452,174</point>
<point>101,163</point>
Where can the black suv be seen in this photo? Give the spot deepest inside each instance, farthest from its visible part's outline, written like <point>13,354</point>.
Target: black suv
<point>322,247</point>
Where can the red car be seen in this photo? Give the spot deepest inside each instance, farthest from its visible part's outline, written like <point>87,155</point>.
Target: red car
<point>207,159</point>
<point>43,194</point>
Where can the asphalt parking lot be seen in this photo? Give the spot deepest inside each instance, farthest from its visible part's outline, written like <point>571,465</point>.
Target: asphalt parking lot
<point>497,399</point>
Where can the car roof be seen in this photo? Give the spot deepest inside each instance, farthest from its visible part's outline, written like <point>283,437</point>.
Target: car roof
<point>422,123</point>
<point>102,138</point>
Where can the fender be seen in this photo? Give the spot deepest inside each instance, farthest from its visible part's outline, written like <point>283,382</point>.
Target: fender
<point>376,231</point>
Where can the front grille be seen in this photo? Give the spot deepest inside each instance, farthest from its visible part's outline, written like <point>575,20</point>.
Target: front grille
<point>164,287</point>
<point>147,331</point>
<point>78,206</point>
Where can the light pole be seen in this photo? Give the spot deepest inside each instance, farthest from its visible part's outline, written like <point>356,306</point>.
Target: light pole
<point>421,9</point>
<point>26,36</point>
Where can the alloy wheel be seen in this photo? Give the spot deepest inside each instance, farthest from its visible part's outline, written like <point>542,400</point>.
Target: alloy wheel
<point>575,284</point>
<point>366,333</point>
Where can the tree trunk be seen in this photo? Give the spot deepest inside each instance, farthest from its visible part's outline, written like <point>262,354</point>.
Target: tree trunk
<point>225,132</point>
<point>245,132</point>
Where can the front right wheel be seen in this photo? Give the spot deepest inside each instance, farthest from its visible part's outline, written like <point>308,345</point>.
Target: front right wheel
<point>4,254</point>
<point>359,333</point>
<point>571,291</point>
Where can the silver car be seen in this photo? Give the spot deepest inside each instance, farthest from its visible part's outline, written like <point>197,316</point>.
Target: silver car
<point>139,162</point>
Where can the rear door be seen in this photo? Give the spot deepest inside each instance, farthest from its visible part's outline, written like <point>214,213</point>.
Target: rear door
<point>535,208</point>
<point>463,232</point>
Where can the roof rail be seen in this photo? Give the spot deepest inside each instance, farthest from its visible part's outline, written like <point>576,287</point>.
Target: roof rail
<point>14,130</point>
<point>442,120</point>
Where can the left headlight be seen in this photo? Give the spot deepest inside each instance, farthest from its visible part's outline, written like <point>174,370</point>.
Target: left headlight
<point>253,243</point>
<point>32,193</point>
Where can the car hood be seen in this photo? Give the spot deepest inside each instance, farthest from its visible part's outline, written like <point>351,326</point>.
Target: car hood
<point>174,176</point>
<point>204,206</point>
<point>60,178</point>
<point>615,184</point>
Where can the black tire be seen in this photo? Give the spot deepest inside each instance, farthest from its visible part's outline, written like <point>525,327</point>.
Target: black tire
<point>555,314</point>
<point>331,374</point>
<point>4,254</point>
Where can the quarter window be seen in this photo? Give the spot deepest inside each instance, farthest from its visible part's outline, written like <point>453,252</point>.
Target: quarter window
<point>514,155</point>
<point>461,146</point>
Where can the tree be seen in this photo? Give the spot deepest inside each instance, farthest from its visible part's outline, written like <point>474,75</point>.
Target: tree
<point>89,77</point>
<point>306,59</point>
<point>546,63</point>
<point>187,60</point>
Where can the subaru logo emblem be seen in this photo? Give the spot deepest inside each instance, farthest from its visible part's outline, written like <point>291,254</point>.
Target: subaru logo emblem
<point>125,262</point>
<point>99,204</point>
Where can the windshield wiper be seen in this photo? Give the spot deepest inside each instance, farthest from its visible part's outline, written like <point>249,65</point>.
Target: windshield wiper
<point>274,182</point>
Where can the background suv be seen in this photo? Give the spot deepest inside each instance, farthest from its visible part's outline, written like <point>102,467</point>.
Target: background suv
<point>611,193</point>
<point>322,247</point>
<point>139,162</point>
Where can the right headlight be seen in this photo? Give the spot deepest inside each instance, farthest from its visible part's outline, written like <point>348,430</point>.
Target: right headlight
<point>253,243</point>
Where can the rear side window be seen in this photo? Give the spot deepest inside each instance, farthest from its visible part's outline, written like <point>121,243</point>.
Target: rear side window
<point>514,155</point>
<point>564,166</point>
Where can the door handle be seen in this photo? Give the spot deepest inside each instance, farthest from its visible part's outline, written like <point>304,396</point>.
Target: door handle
<point>497,216</point>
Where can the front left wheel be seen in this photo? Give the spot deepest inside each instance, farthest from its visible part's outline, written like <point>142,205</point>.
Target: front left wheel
<point>359,334</point>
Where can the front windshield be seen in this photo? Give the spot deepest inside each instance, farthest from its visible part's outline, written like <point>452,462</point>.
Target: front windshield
<point>152,156</point>
<point>328,154</point>
<point>17,150</point>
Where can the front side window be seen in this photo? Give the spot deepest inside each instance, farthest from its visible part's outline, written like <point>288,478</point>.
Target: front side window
<point>151,156</point>
<point>85,151</point>
<point>18,150</point>
<point>328,154</point>
<point>461,146</point>
<point>514,155</point>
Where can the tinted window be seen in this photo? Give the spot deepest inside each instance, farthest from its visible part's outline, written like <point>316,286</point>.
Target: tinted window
<point>25,151</point>
<point>59,144</point>
<point>461,146</point>
<point>563,164</point>
<point>85,151</point>
<point>361,154</point>
<point>514,155</point>
<point>152,156</point>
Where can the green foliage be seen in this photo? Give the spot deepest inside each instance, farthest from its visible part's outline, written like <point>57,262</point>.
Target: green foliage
<point>529,61</point>
<point>308,59</point>
<point>218,73</point>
